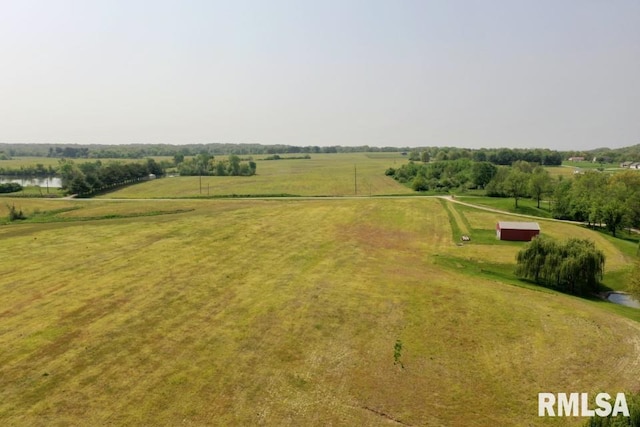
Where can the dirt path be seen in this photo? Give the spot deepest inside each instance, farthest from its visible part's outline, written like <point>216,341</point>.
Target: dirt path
<point>488,209</point>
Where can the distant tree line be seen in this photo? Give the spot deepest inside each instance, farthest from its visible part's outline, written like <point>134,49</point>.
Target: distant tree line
<point>141,151</point>
<point>608,155</point>
<point>497,156</point>
<point>205,164</point>
<point>69,152</point>
<point>90,177</point>
<point>28,170</point>
<point>575,266</point>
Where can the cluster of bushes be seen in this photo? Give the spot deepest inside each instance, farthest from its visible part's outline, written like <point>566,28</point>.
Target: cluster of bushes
<point>442,176</point>
<point>205,164</point>
<point>15,213</point>
<point>575,266</point>
<point>90,177</point>
<point>633,420</point>
<point>277,157</point>
<point>10,187</point>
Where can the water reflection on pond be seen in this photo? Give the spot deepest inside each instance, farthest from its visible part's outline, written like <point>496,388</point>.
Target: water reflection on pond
<point>623,299</point>
<point>51,182</point>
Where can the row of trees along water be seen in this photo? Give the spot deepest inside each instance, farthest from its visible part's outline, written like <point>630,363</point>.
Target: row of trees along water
<point>89,177</point>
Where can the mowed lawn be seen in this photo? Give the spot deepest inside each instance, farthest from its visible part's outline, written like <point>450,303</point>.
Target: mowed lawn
<point>342,174</point>
<point>282,312</point>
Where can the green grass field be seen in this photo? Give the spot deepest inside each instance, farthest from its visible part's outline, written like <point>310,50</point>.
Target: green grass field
<point>288,312</point>
<point>322,175</point>
<point>525,206</point>
<point>591,165</point>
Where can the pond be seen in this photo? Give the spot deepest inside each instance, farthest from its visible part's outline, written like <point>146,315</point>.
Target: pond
<point>623,299</point>
<point>51,182</point>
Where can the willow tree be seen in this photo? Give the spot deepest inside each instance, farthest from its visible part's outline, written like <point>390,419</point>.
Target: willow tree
<point>575,266</point>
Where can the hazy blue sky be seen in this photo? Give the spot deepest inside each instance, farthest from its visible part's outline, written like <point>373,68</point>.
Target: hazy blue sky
<point>559,74</point>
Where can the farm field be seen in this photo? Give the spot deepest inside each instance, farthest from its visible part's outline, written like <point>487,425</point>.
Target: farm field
<point>321,175</point>
<point>288,312</point>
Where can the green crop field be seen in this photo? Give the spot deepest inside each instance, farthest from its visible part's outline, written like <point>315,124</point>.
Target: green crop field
<point>289,312</point>
<point>321,175</point>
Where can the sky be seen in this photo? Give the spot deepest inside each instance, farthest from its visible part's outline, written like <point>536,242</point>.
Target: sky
<point>560,74</point>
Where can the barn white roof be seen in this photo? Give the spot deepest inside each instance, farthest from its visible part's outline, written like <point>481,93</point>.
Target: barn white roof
<point>516,225</point>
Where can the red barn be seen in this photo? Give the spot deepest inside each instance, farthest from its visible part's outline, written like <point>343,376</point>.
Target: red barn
<point>521,231</point>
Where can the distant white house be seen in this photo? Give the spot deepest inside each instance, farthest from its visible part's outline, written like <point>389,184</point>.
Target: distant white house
<point>576,159</point>
<point>634,166</point>
<point>625,164</point>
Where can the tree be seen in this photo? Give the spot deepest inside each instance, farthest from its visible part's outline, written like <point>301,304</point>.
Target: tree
<point>539,183</point>
<point>523,166</point>
<point>495,187</point>
<point>419,183</point>
<point>234,165</point>
<point>631,182</point>
<point>482,173</point>
<point>615,211</point>
<point>634,279</point>
<point>516,184</point>
<point>585,192</point>
<point>575,266</point>
<point>441,155</point>
<point>220,169</point>
<point>424,157</point>
<point>73,178</point>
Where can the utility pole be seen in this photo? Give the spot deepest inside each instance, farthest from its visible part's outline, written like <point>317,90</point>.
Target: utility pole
<point>355,178</point>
